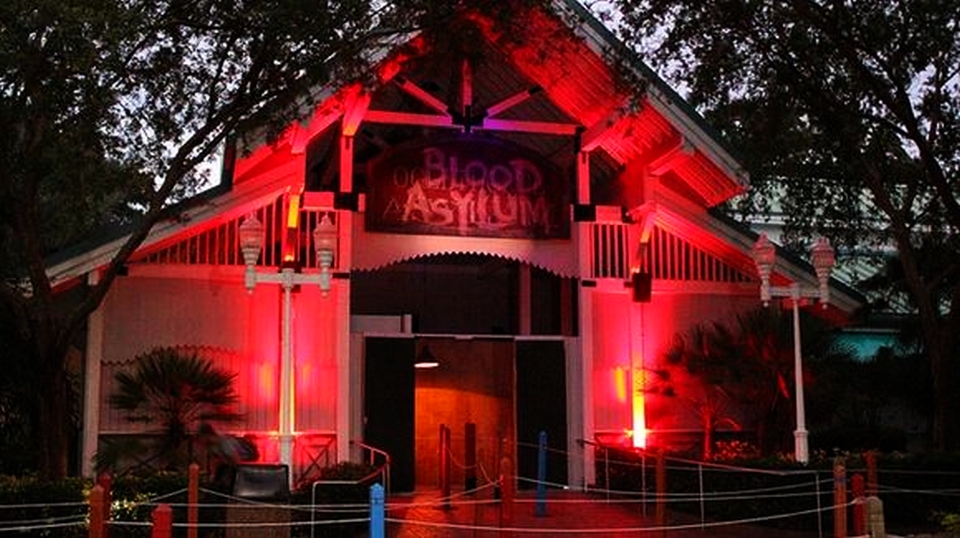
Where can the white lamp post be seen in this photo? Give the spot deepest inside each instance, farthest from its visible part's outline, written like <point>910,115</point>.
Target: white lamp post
<point>251,243</point>
<point>764,254</point>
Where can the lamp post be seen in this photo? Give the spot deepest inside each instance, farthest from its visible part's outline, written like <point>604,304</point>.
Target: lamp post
<point>251,243</point>
<point>764,255</point>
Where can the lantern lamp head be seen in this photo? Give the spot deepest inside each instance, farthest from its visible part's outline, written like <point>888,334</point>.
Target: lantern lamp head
<point>764,255</point>
<point>325,244</point>
<point>823,259</point>
<point>251,241</point>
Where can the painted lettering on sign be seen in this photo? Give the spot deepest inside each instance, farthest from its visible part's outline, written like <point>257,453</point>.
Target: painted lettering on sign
<point>467,186</point>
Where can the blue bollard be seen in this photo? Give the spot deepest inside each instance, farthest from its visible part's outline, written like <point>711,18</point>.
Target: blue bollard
<point>541,506</point>
<point>376,511</point>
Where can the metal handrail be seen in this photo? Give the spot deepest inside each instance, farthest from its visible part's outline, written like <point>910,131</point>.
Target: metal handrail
<point>374,452</point>
<point>606,461</point>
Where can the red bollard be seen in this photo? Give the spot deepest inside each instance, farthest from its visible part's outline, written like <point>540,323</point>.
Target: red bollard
<point>193,498</point>
<point>106,482</point>
<point>97,521</point>
<point>859,500</point>
<point>445,465</point>
<point>162,522</point>
<point>508,494</point>
<point>470,456</point>
<point>839,499</point>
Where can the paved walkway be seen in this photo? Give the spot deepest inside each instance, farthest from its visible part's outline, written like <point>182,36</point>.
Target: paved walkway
<point>568,514</point>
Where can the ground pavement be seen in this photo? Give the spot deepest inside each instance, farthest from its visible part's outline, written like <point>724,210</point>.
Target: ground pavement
<point>568,514</point>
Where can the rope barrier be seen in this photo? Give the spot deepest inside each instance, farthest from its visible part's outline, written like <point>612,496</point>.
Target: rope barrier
<point>606,530</point>
<point>47,526</point>
<point>43,505</point>
<point>43,520</point>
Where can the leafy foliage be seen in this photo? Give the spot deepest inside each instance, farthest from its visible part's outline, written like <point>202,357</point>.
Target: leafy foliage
<point>177,393</point>
<point>847,115</point>
<point>111,110</point>
<point>744,372</point>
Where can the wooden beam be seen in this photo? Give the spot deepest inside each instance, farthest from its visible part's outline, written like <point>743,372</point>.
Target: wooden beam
<point>511,101</point>
<point>319,122</point>
<point>421,95</point>
<point>409,118</point>
<point>522,126</point>
<point>354,112</point>
<point>466,88</point>
<point>346,163</point>
<point>594,134</point>
<point>681,150</point>
<point>583,178</point>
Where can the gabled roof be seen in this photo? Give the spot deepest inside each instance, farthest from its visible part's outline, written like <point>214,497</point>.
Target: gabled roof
<point>568,99</point>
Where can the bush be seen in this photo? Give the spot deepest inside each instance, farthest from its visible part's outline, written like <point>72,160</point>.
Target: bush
<point>29,502</point>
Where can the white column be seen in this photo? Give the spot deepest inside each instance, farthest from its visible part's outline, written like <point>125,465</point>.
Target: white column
<point>287,387</point>
<point>348,394</point>
<point>91,384</point>
<point>574,374</point>
<point>582,243</point>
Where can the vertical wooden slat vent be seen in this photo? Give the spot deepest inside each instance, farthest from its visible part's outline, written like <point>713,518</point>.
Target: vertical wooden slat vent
<point>674,258</point>
<point>610,252</point>
<point>220,245</point>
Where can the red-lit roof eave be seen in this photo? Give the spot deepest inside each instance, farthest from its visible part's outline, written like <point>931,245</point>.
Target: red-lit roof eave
<point>706,178</point>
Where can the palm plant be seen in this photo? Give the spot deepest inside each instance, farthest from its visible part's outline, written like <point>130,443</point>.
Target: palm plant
<point>743,371</point>
<point>176,392</point>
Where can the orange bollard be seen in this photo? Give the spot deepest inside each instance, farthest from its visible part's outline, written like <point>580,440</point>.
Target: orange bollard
<point>859,500</point>
<point>162,522</point>
<point>839,499</point>
<point>106,482</point>
<point>507,497</point>
<point>96,512</point>
<point>193,498</point>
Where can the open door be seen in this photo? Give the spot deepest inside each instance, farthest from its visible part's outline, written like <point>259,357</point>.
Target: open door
<point>388,405</point>
<point>541,406</point>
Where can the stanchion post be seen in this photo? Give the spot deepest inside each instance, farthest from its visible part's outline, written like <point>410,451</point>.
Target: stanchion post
<point>96,512</point>
<point>875,523</point>
<point>162,522</point>
<point>445,465</point>
<point>839,498</point>
<point>193,499</point>
<point>376,511</point>
<point>470,456</point>
<point>660,511</point>
<point>872,483</point>
<point>106,482</point>
<point>540,509</point>
<point>508,492</point>
<point>859,498</point>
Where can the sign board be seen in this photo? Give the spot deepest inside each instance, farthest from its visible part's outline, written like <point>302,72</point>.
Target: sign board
<point>468,185</point>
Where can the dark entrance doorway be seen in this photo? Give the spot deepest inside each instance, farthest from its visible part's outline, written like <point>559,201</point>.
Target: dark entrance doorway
<point>388,405</point>
<point>541,406</point>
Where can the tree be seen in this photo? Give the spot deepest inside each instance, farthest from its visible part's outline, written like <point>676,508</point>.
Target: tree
<point>849,112</point>
<point>109,108</point>
<point>180,394</point>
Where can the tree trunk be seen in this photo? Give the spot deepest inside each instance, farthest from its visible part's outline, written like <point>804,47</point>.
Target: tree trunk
<point>53,430</point>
